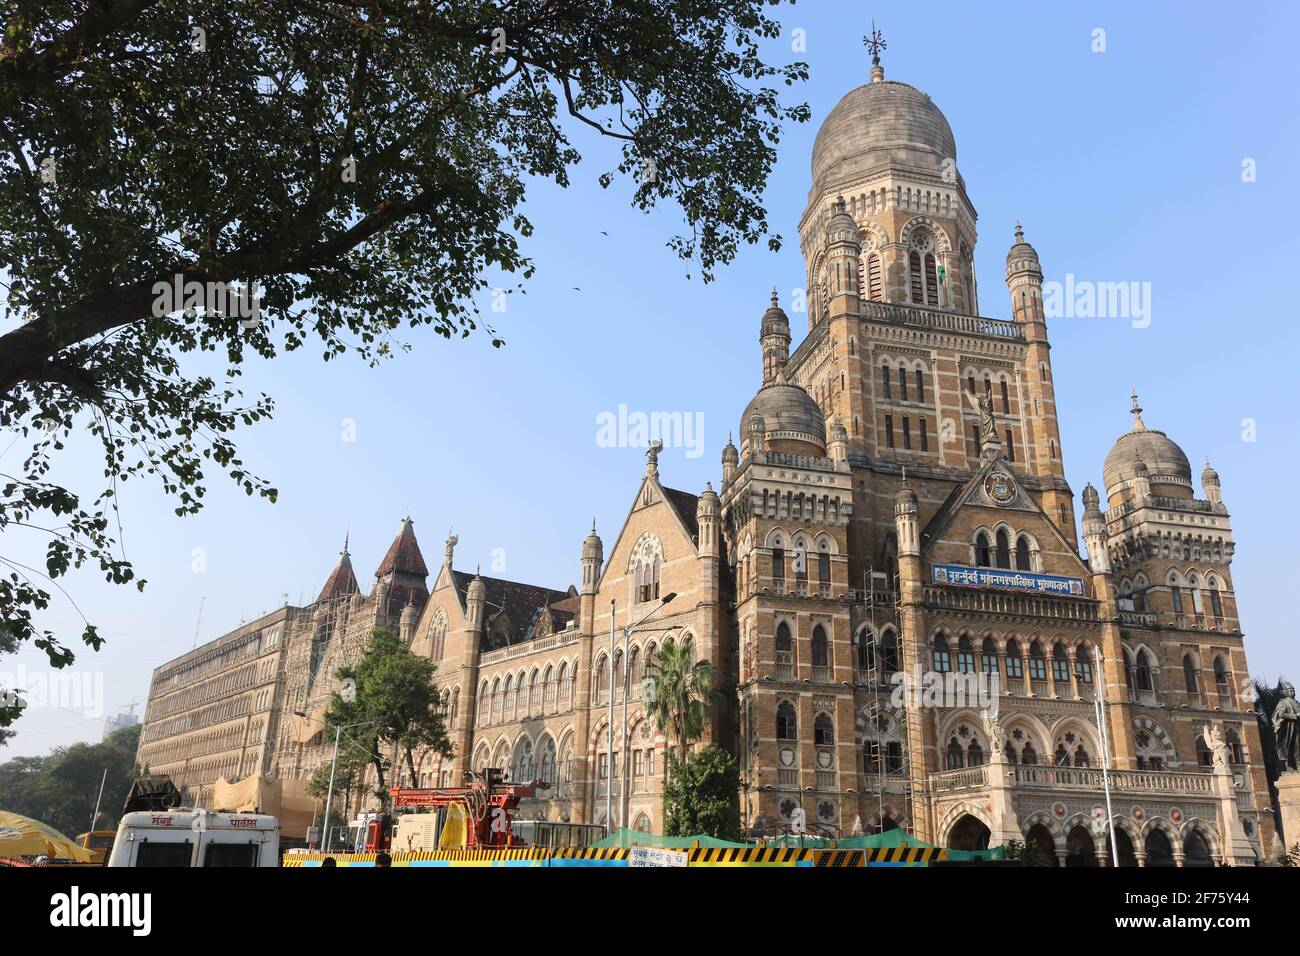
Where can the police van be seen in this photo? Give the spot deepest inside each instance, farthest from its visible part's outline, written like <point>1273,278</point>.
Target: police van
<point>195,837</point>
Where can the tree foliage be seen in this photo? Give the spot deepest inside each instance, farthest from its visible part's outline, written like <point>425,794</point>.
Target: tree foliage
<point>682,690</point>
<point>61,789</point>
<point>362,163</point>
<point>703,795</point>
<point>393,701</point>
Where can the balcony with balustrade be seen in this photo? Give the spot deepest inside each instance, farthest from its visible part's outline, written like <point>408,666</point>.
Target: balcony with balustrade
<point>1043,777</point>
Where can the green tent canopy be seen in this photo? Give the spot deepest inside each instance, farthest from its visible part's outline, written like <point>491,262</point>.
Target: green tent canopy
<point>625,837</point>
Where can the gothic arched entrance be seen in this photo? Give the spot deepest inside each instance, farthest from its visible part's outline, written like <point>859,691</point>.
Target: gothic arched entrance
<point>1040,841</point>
<point>1080,850</point>
<point>1125,847</point>
<point>1159,851</point>
<point>968,833</point>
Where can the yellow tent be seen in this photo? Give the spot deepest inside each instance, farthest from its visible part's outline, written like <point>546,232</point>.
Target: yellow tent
<point>23,836</point>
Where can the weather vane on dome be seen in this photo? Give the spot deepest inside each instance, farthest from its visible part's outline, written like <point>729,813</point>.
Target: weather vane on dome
<point>874,42</point>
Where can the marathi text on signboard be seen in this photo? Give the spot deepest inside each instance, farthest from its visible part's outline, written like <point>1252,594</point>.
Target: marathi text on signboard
<point>1006,580</point>
<point>649,856</point>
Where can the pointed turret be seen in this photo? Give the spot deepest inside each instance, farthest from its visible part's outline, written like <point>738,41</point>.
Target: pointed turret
<point>342,582</point>
<point>404,555</point>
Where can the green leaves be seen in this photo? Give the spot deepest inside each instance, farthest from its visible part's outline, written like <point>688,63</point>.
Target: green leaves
<point>397,703</point>
<point>703,795</point>
<point>365,164</point>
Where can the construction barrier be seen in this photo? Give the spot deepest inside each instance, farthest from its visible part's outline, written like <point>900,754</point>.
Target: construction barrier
<point>619,857</point>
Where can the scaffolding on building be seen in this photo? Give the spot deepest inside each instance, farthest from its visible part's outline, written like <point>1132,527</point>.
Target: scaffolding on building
<point>880,593</point>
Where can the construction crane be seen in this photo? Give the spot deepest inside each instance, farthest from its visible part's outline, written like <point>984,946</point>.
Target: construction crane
<point>485,804</point>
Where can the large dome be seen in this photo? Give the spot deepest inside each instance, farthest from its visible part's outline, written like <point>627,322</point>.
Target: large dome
<point>792,420</point>
<point>1165,462</point>
<point>879,123</point>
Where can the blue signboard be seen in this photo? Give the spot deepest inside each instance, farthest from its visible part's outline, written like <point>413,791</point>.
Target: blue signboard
<point>1005,580</point>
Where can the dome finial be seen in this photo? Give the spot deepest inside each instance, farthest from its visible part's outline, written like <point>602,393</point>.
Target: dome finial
<point>875,42</point>
<point>1138,425</point>
<point>776,299</point>
<point>1020,233</point>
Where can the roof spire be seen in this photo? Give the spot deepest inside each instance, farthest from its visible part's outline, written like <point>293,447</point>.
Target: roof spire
<point>875,42</point>
<point>1138,425</point>
<point>776,300</point>
<point>1020,233</point>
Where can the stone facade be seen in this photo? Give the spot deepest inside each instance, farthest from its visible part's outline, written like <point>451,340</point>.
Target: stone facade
<point>897,506</point>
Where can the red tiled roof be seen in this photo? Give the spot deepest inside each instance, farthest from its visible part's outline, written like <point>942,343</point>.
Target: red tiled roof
<point>342,582</point>
<point>404,554</point>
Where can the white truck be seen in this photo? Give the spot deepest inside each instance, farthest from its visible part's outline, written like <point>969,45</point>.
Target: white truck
<point>195,837</point>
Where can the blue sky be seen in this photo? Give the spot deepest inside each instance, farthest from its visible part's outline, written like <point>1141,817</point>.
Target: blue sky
<point>1123,166</point>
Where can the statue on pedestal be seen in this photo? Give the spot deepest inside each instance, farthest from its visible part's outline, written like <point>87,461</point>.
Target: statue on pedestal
<point>1286,729</point>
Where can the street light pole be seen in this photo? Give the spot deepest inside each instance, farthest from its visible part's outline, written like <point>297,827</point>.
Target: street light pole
<point>329,797</point>
<point>609,777</point>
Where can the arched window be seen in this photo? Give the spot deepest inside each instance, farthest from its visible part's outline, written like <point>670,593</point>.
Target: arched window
<point>1004,549</point>
<point>920,386</point>
<point>1083,665</point>
<point>1022,554</point>
<point>956,758</point>
<point>823,731</point>
<point>983,558</point>
<point>524,763</point>
<point>548,774</point>
<point>889,652</point>
<point>914,268</point>
<point>989,656</point>
<point>965,656</point>
<point>600,684</point>
<point>875,279</point>
<point>1221,677</point>
<point>941,662</point>
<point>1029,755</point>
<point>931,280</point>
<point>784,651</point>
<point>1236,754</point>
<point>975,754</point>
<point>1037,662</point>
<point>1189,675</point>
<point>902,380</point>
<point>1142,671</point>
<point>786,724</point>
<point>1081,757</point>
<point>1060,666</point>
<point>565,685</point>
<point>1204,757</point>
<point>820,653</point>
<point>866,649</point>
<point>1006,400</point>
<point>1015,663</point>
<point>647,561</point>
<point>884,378</point>
<point>1062,756</point>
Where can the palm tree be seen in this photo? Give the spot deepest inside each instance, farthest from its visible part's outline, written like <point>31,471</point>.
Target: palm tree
<point>681,690</point>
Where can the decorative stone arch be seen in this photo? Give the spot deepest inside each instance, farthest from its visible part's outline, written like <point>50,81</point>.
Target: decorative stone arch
<point>1051,824</point>
<point>1207,832</point>
<point>971,719</point>
<point>502,753</point>
<point>1077,725</point>
<point>964,809</point>
<point>873,236</point>
<point>942,243</point>
<point>1029,726</point>
<point>1158,737</point>
<point>1174,578</point>
<point>832,546</point>
<point>778,537</point>
<point>745,547</point>
<point>863,724</point>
